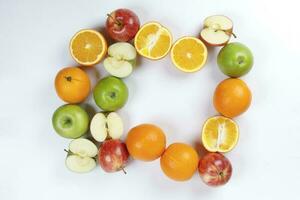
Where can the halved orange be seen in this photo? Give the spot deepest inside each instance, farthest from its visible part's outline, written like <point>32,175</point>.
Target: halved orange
<point>153,41</point>
<point>189,54</point>
<point>88,47</point>
<point>220,134</point>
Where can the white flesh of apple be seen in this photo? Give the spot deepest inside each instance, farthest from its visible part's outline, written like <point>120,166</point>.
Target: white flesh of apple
<point>115,125</point>
<point>98,127</point>
<point>217,30</point>
<point>118,68</point>
<point>80,164</point>
<point>214,37</point>
<point>82,153</point>
<point>122,55</point>
<point>218,22</point>
<point>83,147</point>
<point>102,126</point>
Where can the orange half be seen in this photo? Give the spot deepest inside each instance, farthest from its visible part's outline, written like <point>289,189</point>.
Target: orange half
<point>88,47</point>
<point>220,134</point>
<point>189,54</point>
<point>153,41</point>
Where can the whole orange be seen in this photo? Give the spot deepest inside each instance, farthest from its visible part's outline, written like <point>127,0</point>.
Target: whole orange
<point>232,97</point>
<point>179,161</point>
<point>146,142</point>
<point>72,84</point>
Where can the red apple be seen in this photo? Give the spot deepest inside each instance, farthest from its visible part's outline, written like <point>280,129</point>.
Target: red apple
<point>215,169</point>
<point>113,155</point>
<point>122,25</point>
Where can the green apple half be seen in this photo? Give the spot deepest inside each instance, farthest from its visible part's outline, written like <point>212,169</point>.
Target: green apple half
<point>103,126</point>
<point>110,93</point>
<point>81,155</point>
<point>121,59</point>
<point>70,121</point>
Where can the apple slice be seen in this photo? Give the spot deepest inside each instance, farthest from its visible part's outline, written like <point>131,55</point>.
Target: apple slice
<point>79,164</point>
<point>121,59</point>
<point>98,127</point>
<point>114,125</point>
<point>103,126</point>
<point>217,30</point>
<point>83,147</point>
<point>81,155</point>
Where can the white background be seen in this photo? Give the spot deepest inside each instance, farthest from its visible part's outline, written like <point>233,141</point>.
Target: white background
<point>34,37</point>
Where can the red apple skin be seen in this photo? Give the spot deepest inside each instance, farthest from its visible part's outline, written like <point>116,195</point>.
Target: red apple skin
<point>122,25</point>
<point>113,155</point>
<point>215,169</point>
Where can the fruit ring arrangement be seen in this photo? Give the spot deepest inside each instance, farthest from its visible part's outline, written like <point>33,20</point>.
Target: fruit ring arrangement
<point>147,142</point>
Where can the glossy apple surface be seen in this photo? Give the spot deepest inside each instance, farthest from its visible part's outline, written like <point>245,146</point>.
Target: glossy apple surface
<point>110,93</point>
<point>214,169</point>
<point>113,155</point>
<point>235,59</point>
<point>122,25</point>
<point>70,121</point>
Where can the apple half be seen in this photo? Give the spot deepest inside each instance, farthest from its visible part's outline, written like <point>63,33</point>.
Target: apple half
<point>217,30</point>
<point>121,59</point>
<point>81,155</point>
<point>103,126</point>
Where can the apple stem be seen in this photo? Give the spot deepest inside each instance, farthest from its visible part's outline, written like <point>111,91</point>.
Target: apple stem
<point>123,170</point>
<point>66,150</point>
<point>234,35</point>
<point>118,22</point>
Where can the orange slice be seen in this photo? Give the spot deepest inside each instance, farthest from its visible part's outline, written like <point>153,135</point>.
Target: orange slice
<point>220,134</point>
<point>189,54</point>
<point>153,41</point>
<point>88,47</point>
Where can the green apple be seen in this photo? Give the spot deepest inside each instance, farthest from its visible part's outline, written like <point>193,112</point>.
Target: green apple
<point>110,93</point>
<point>81,155</point>
<point>70,121</point>
<point>121,59</point>
<point>235,59</point>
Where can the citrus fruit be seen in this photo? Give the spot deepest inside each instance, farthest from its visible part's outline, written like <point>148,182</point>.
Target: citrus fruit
<point>153,41</point>
<point>179,161</point>
<point>189,54</point>
<point>146,142</point>
<point>72,84</point>
<point>88,47</point>
<point>232,97</point>
<point>219,134</point>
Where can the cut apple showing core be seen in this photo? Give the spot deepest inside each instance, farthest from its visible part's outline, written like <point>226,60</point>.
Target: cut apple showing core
<point>121,59</point>
<point>81,155</point>
<point>103,126</point>
<point>80,164</point>
<point>83,147</point>
<point>217,30</point>
<point>98,127</point>
<point>114,125</point>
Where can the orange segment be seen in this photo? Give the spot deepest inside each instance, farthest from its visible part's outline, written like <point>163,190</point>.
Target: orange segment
<point>189,54</point>
<point>220,134</point>
<point>88,47</point>
<point>153,41</point>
